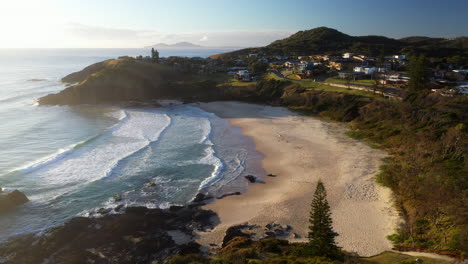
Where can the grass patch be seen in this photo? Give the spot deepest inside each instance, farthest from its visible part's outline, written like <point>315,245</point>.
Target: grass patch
<point>397,258</point>
<point>360,82</point>
<point>319,86</point>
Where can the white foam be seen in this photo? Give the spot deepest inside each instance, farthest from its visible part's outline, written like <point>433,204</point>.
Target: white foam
<point>210,157</point>
<point>55,157</point>
<point>96,160</point>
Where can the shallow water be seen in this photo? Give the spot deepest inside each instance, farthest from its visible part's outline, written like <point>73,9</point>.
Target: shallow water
<point>72,160</point>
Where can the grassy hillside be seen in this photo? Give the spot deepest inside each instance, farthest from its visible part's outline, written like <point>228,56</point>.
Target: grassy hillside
<point>124,80</point>
<point>330,41</point>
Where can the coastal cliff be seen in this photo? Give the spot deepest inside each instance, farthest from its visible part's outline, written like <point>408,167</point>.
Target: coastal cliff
<point>125,80</point>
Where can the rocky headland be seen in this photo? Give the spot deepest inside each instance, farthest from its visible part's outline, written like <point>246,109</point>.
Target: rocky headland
<point>127,80</point>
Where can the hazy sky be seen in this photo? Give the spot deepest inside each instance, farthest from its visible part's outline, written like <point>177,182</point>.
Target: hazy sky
<point>137,23</point>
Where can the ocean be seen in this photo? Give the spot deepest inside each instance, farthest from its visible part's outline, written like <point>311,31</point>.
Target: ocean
<point>74,160</point>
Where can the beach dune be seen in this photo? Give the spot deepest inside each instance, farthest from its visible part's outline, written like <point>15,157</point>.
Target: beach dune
<point>300,150</point>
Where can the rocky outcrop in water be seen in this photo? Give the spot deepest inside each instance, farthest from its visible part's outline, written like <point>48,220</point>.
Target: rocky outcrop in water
<point>10,200</point>
<point>140,235</point>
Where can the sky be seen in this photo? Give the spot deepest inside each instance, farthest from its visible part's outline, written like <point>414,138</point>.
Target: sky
<point>215,23</point>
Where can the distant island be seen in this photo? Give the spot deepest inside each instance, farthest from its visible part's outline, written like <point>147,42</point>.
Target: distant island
<point>178,45</point>
<point>187,45</point>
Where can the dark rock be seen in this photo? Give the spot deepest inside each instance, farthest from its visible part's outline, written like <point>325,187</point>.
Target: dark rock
<point>118,207</point>
<point>104,211</point>
<point>139,210</point>
<point>137,236</point>
<point>296,235</point>
<point>228,194</point>
<point>10,200</point>
<point>269,234</point>
<point>234,231</point>
<point>251,178</point>
<point>190,248</point>
<point>213,245</point>
<point>271,175</point>
<point>175,208</point>
<point>200,197</point>
<point>279,232</point>
<point>117,198</point>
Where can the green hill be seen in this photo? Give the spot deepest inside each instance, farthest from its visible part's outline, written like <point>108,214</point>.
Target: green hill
<point>331,41</point>
<point>125,80</point>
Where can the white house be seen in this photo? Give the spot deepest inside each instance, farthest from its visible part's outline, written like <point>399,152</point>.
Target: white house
<point>243,75</point>
<point>399,57</point>
<point>291,64</point>
<point>348,55</point>
<point>364,69</point>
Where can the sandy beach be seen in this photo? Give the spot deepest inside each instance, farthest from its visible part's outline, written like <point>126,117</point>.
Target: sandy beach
<point>300,150</point>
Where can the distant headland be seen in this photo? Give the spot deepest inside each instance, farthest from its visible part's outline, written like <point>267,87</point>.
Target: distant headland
<point>185,45</point>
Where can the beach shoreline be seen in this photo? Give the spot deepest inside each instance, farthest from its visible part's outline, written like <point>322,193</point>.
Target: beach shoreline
<point>299,151</point>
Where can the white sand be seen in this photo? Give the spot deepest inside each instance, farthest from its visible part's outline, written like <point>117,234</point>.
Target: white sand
<point>301,150</point>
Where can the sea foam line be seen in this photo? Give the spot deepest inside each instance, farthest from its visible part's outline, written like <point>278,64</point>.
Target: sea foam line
<point>210,159</point>
<point>63,152</point>
<point>149,141</point>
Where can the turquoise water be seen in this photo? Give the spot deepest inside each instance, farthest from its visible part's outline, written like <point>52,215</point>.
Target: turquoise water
<point>73,160</point>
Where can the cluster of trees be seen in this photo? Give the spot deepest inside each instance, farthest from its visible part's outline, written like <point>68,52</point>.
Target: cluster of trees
<point>154,55</point>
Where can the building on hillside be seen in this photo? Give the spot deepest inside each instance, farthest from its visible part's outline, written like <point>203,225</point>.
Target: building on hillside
<point>348,55</point>
<point>244,75</point>
<point>320,57</point>
<point>342,64</point>
<point>290,64</point>
<point>278,57</point>
<point>399,57</point>
<point>253,55</point>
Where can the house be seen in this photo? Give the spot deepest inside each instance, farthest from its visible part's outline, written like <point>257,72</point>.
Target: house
<point>348,55</point>
<point>341,64</point>
<point>253,55</point>
<point>320,57</point>
<point>290,64</point>
<point>369,69</point>
<point>395,79</point>
<point>399,57</point>
<point>244,75</point>
<point>365,69</point>
<point>281,57</point>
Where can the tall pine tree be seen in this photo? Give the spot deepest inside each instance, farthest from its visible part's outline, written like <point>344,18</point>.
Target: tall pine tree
<point>321,235</point>
<point>418,73</point>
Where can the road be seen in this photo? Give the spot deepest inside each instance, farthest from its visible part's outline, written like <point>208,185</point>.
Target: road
<point>387,91</point>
